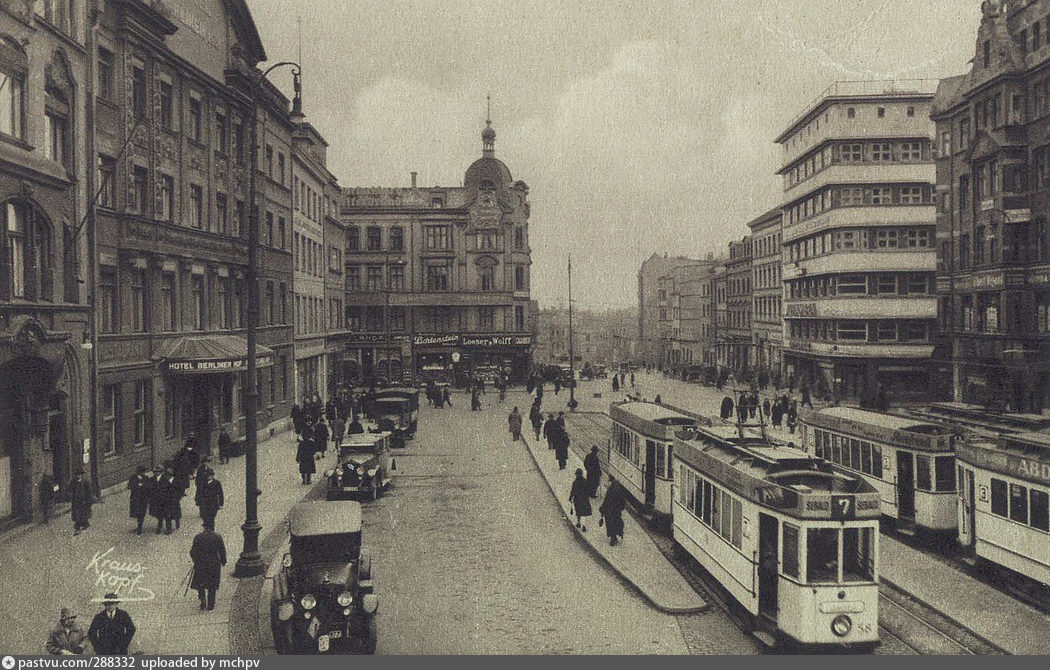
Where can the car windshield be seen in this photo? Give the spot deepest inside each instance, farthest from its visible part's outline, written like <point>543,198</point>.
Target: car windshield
<point>347,451</point>
<point>334,547</point>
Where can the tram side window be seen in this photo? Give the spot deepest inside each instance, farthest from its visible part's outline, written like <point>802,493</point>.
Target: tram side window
<point>836,448</point>
<point>1019,503</point>
<point>865,457</point>
<point>716,508</point>
<point>738,524</point>
<point>858,555</point>
<point>698,495</point>
<point>818,438</point>
<point>944,470</point>
<point>660,459</point>
<point>822,555</point>
<point>855,459</point>
<point>922,473</point>
<point>726,530</point>
<point>876,460</point>
<point>790,563</point>
<point>1040,510</point>
<point>707,503</point>
<point>999,506</point>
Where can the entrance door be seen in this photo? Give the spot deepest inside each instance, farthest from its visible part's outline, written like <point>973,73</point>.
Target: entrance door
<point>60,448</point>
<point>967,525</point>
<point>650,473</point>
<point>905,485</point>
<point>768,551</point>
<point>368,363</point>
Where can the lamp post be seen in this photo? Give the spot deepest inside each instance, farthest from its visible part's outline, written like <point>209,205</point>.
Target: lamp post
<point>572,354</point>
<point>250,562</point>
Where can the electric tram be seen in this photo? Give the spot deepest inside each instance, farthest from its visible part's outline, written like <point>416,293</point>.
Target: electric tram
<point>910,462</point>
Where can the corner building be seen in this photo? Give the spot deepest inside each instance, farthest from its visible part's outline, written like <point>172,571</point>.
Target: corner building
<point>767,293</point>
<point>437,279</point>
<point>858,235</point>
<point>993,184</point>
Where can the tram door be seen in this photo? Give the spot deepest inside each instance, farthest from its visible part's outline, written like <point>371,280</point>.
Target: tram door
<point>905,485</point>
<point>768,552</point>
<point>650,472</point>
<point>967,528</point>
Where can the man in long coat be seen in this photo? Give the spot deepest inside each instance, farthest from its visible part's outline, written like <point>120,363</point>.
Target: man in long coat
<point>111,630</point>
<point>550,430</point>
<point>169,492</point>
<point>561,444</point>
<point>186,461</point>
<point>304,455</point>
<point>514,424</point>
<point>81,499</point>
<point>320,437</point>
<point>158,498</point>
<point>208,553</point>
<point>593,465</point>
<point>141,487</point>
<point>611,512</point>
<point>209,497</point>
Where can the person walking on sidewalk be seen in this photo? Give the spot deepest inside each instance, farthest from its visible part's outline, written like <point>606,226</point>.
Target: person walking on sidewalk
<point>111,630</point>
<point>611,512</point>
<point>208,554</point>
<point>557,386</point>
<point>304,455</point>
<point>765,408</point>
<point>209,498</point>
<point>615,384</point>
<point>632,380</point>
<point>81,499</point>
<point>792,416</point>
<point>172,492</point>
<point>561,444</point>
<point>536,419</point>
<point>225,445</point>
<point>806,400</point>
<point>320,437</point>
<point>593,465</point>
<point>580,500</point>
<point>550,428</point>
<point>68,637</point>
<point>726,410</point>
<point>514,424</point>
<point>156,499</point>
<point>777,414</point>
<point>141,487</point>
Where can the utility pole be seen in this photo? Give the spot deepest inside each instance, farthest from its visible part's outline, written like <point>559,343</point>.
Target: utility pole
<point>572,353</point>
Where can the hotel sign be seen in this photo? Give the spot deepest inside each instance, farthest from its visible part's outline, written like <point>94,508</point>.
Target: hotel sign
<point>217,366</point>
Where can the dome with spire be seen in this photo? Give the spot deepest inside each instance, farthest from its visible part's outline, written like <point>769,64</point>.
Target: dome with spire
<point>488,168</point>
<point>488,135</point>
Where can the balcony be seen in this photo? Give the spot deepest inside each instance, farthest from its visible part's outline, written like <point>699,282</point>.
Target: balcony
<point>862,216</point>
<point>868,260</point>
<point>866,307</point>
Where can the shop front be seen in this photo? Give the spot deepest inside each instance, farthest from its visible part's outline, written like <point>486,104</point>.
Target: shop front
<point>460,358</point>
<point>375,357</point>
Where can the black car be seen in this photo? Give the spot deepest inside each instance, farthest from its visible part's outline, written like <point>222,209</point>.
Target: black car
<point>323,598</point>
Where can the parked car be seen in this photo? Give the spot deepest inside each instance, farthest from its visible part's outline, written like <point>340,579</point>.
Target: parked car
<point>397,410</point>
<point>365,466</point>
<point>323,597</point>
<point>694,374</point>
<point>600,372</point>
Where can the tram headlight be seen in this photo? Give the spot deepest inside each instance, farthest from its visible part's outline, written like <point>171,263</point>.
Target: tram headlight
<point>308,602</point>
<point>345,598</point>
<point>841,625</point>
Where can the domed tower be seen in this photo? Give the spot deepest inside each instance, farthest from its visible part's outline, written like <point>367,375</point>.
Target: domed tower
<point>488,171</point>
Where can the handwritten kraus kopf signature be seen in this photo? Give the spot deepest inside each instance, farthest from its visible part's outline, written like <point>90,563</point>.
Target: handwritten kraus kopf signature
<point>121,577</point>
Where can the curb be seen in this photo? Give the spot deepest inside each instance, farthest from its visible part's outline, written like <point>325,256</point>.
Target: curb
<point>267,646</point>
<point>608,564</point>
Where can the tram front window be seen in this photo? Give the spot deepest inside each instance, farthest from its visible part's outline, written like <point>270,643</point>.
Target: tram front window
<point>822,555</point>
<point>858,555</point>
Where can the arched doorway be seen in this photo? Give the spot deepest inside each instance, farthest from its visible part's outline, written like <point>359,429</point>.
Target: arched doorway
<point>26,398</point>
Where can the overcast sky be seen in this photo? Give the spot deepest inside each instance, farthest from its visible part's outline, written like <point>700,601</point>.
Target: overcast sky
<point>639,127</point>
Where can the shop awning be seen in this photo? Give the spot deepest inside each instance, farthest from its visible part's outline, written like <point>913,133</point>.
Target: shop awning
<point>212,354</point>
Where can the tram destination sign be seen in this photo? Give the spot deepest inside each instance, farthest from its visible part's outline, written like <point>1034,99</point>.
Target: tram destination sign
<point>1030,469</point>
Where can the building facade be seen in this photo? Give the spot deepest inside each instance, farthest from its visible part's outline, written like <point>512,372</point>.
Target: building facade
<point>654,282</point>
<point>736,340</point>
<point>437,279</point>
<point>993,186</point>
<point>173,150</point>
<point>691,340</point>
<point>858,235</point>
<point>767,295</point>
<point>720,316</point>
<point>44,315</point>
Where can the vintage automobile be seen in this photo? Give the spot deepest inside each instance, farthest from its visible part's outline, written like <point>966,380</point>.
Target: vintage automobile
<point>323,598</point>
<point>600,372</point>
<point>397,410</point>
<point>365,466</point>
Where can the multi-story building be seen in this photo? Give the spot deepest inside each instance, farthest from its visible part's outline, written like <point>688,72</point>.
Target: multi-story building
<point>173,144</point>
<point>720,317</point>
<point>858,235</point>
<point>993,185</point>
<point>708,323</point>
<point>691,312</point>
<point>457,264</point>
<point>737,341</point>
<point>767,294</point>
<point>654,324</point>
<point>45,179</point>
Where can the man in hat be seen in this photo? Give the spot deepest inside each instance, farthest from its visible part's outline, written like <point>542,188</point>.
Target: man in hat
<point>209,556</point>
<point>68,637</point>
<point>141,487</point>
<point>209,497</point>
<point>112,629</point>
<point>81,499</point>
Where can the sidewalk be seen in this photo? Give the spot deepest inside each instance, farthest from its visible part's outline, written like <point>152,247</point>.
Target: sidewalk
<point>1005,621</point>
<point>636,559</point>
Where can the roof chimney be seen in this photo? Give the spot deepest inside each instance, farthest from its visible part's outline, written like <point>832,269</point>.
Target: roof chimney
<point>413,180</point>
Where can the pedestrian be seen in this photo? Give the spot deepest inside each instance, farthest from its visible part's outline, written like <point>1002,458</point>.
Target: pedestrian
<point>806,400</point>
<point>320,439</point>
<point>727,408</point>
<point>752,405</point>
<point>225,446</point>
<point>657,399</point>
<point>141,487</point>
<point>557,386</point>
<point>48,493</point>
<point>580,500</point>
<point>304,455</point>
<point>209,498</point>
<point>792,416</point>
<point>297,419</point>
<point>475,399</point>
<point>514,424</point>
<point>198,477</point>
<point>446,396</point>
<point>208,554</point>
<point>158,497</point>
<point>186,461</point>
<point>765,408</point>
<point>550,428</point>
<point>593,465</point>
<point>68,637</point>
<point>536,418</point>
<point>81,499</point>
<point>615,384</point>
<point>330,410</point>
<point>111,630</point>
<point>611,512</point>
<point>173,493</point>
<point>561,445</point>
<point>632,380</point>
<point>355,427</point>
<point>338,429</point>
<point>777,414</point>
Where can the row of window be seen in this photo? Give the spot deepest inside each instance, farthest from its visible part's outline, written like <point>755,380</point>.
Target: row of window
<point>310,315</point>
<point>911,151</point>
<point>767,308</point>
<point>435,238</point>
<point>860,239</point>
<point>374,238</point>
<point>885,330</point>
<point>437,277</point>
<point>627,444</point>
<point>715,507</point>
<point>903,283</point>
<point>767,275</point>
<point>991,112</point>
<point>849,113</point>
<point>427,319</point>
<point>309,256</point>
<point>984,313</point>
<point>311,203</point>
<point>28,255</point>
<point>1012,243</point>
<point>15,122</point>
<point>833,197</point>
<point>1020,503</point>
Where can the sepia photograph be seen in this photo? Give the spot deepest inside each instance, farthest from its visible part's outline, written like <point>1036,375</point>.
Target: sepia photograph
<point>534,328</point>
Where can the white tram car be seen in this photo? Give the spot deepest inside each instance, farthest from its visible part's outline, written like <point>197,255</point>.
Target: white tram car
<point>1004,501</point>
<point>640,450</point>
<point>911,463</point>
<point>793,540</point>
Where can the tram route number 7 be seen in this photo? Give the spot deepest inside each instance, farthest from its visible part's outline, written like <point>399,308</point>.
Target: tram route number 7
<point>843,507</point>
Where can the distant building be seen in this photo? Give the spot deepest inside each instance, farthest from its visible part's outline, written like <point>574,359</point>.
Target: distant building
<point>767,293</point>
<point>737,334</point>
<point>993,185</point>
<point>858,234</point>
<point>654,309</point>
<point>690,304</point>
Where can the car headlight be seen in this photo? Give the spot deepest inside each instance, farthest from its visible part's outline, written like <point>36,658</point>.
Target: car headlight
<point>285,611</point>
<point>370,603</point>
<point>372,472</point>
<point>841,625</point>
<point>287,561</point>
<point>345,598</point>
<point>308,602</point>
<point>360,470</point>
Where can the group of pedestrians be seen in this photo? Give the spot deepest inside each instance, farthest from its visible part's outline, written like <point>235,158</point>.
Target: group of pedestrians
<point>159,494</point>
<point>585,487</point>
<point>781,411</point>
<point>438,396</point>
<point>110,633</point>
<point>620,381</point>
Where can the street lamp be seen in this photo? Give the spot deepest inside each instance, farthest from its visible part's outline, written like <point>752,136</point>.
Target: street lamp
<point>250,562</point>
<point>572,354</point>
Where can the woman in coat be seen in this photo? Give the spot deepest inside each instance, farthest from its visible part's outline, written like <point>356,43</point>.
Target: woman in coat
<point>305,457</point>
<point>320,439</point>
<point>81,499</point>
<point>141,487</point>
<point>612,513</point>
<point>580,499</point>
<point>561,444</point>
<point>514,424</point>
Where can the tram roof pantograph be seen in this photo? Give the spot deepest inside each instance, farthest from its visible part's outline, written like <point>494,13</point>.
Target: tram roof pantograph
<point>885,428</point>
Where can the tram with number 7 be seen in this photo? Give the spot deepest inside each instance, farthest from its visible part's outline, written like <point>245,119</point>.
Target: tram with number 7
<point>791,538</point>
